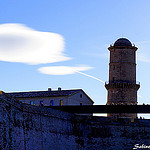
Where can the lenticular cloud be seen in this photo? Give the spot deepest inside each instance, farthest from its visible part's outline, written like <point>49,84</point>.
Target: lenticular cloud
<point>62,70</point>
<point>19,43</point>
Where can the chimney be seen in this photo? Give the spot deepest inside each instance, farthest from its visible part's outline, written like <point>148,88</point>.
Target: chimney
<point>59,88</point>
<point>49,89</point>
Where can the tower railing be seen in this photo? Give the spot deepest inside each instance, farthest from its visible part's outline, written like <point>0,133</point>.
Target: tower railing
<point>122,81</point>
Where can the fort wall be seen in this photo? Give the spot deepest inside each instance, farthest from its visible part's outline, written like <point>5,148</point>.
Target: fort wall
<point>27,127</point>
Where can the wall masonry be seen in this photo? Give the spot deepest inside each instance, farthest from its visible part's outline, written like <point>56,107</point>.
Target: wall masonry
<point>27,127</point>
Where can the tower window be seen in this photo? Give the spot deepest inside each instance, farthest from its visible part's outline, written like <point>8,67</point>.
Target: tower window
<point>80,95</point>
<point>113,79</point>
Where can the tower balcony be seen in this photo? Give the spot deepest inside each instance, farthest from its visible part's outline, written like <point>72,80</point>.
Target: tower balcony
<point>122,84</point>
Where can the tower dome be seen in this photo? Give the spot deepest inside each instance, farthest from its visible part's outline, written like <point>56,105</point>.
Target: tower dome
<point>122,42</point>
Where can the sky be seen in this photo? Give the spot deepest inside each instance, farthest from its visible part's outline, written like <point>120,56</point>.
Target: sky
<point>51,44</point>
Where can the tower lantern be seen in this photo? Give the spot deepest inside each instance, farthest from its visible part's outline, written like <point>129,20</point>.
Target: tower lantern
<point>122,86</point>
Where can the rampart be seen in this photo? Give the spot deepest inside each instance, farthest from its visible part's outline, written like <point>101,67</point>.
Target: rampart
<point>27,127</point>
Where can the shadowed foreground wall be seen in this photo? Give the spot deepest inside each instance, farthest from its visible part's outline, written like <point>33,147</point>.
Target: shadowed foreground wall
<point>25,127</point>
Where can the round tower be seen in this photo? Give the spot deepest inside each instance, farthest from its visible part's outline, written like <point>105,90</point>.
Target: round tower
<point>122,86</point>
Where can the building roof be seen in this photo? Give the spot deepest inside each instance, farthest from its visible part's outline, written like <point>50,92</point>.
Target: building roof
<point>43,93</point>
<point>49,93</point>
<point>122,42</point>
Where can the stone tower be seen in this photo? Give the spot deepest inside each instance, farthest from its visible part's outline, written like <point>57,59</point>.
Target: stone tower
<point>122,86</point>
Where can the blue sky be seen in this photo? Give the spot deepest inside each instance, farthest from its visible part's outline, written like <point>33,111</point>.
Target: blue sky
<point>83,31</point>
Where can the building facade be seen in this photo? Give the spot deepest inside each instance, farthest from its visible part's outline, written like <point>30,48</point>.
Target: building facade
<point>53,97</point>
<point>122,86</point>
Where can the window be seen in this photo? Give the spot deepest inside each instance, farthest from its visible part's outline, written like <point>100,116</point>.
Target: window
<point>31,102</point>
<point>61,102</point>
<point>41,103</point>
<point>80,104</point>
<point>114,67</point>
<point>80,95</point>
<point>113,79</point>
<point>51,103</point>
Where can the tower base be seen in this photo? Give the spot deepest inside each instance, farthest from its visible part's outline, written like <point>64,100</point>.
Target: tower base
<point>131,116</point>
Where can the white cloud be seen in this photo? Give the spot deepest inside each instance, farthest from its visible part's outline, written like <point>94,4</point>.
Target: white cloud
<point>19,43</point>
<point>62,70</point>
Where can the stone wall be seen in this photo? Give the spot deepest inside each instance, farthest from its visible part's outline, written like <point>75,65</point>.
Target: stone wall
<point>26,127</point>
